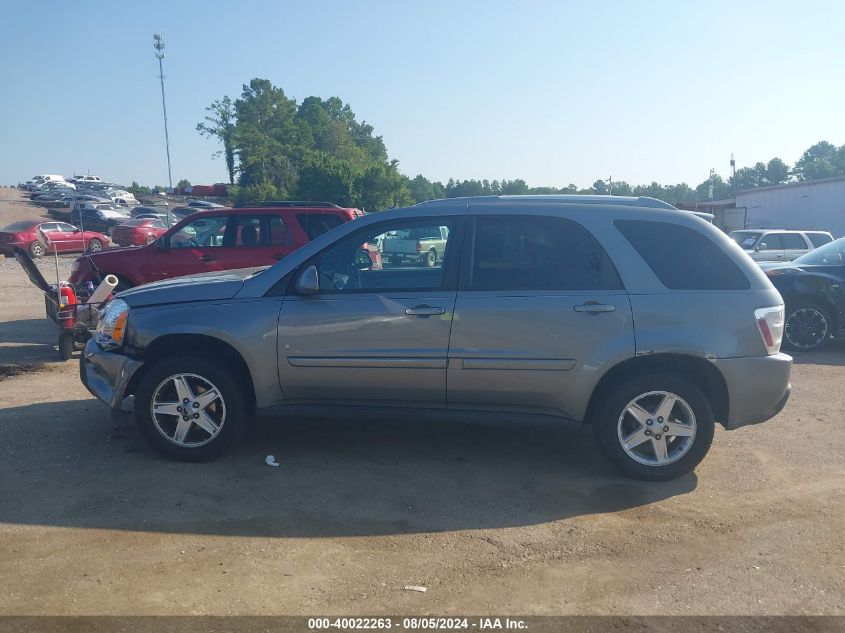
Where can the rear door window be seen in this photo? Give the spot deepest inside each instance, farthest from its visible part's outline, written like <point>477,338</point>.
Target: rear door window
<point>794,242</point>
<point>537,253</point>
<point>681,257</point>
<point>315,224</point>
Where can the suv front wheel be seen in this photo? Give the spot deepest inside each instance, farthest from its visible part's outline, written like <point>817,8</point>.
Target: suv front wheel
<point>190,409</point>
<point>655,427</point>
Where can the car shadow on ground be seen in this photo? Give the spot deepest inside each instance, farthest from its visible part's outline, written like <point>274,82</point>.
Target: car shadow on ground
<point>66,464</point>
<point>28,342</point>
<point>832,353</point>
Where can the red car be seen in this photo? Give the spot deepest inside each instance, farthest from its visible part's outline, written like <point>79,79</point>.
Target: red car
<point>59,236</point>
<point>217,239</point>
<point>138,232</point>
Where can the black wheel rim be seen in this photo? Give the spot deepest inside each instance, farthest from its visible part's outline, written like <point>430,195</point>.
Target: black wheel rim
<point>806,328</point>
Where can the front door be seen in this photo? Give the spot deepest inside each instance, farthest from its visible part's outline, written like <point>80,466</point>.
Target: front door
<point>769,248</point>
<point>197,247</point>
<point>539,304</point>
<point>371,334</point>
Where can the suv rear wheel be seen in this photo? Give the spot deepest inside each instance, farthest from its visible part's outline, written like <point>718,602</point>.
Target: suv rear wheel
<point>190,409</point>
<point>655,427</point>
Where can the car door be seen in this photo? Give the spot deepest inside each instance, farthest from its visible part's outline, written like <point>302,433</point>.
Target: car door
<point>769,248</point>
<point>539,304</point>
<point>371,334</point>
<point>794,245</point>
<point>56,241</point>
<point>196,247</point>
<point>260,240</point>
<point>71,237</point>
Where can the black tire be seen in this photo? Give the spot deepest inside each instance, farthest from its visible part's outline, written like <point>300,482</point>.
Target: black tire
<point>37,249</point>
<point>65,345</point>
<point>234,423</point>
<point>607,419</point>
<point>803,324</point>
<point>95,246</point>
<point>150,239</point>
<point>431,258</point>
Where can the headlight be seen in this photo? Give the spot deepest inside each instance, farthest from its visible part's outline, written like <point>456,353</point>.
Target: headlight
<point>112,324</point>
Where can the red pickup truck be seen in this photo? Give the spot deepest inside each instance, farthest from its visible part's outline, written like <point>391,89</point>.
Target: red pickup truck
<point>218,239</point>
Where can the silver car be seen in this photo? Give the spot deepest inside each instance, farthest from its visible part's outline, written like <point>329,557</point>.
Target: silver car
<point>779,245</point>
<point>624,313</point>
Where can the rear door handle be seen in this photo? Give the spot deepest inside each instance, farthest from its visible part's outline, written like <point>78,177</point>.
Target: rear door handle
<point>594,308</point>
<point>424,311</point>
<point>207,258</point>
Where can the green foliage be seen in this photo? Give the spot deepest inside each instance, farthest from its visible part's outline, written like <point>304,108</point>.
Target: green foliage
<point>276,148</point>
<point>138,190</point>
<point>183,184</point>
<point>822,160</point>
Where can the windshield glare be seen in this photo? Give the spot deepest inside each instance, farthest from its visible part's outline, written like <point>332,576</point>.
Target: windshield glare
<point>831,254</point>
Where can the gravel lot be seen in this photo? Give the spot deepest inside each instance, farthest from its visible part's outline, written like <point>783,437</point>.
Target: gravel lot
<point>501,518</point>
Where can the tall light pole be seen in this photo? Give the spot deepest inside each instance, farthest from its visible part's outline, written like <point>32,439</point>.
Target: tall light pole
<point>158,45</point>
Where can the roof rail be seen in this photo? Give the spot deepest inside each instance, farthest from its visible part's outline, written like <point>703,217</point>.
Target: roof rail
<point>629,201</point>
<point>289,203</point>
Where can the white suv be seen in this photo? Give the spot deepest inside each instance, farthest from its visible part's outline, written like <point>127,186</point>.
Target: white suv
<point>776,245</point>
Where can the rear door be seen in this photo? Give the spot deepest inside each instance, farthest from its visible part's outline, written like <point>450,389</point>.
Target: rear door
<point>261,240</point>
<point>375,335</point>
<point>539,304</point>
<point>794,245</point>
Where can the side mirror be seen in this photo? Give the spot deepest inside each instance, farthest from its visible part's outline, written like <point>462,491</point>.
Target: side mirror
<point>76,231</point>
<point>762,246</point>
<point>363,261</point>
<point>308,283</point>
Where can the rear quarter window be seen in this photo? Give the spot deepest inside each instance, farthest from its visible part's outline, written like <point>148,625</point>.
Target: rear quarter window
<point>681,257</point>
<point>819,239</point>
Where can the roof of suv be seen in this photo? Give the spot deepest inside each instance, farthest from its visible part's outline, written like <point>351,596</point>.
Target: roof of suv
<point>626,201</point>
<point>261,208</point>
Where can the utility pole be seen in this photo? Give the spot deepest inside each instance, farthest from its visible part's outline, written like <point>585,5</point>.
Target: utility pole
<point>610,185</point>
<point>158,45</point>
<point>733,172</point>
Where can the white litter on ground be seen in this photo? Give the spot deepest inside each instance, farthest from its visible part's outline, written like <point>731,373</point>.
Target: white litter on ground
<point>270,460</point>
<point>416,588</point>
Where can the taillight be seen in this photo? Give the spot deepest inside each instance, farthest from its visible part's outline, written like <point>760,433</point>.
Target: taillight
<point>770,324</point>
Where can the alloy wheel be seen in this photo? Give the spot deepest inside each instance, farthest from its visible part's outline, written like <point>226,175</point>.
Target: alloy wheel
<point>656,428</point>
<point>806,328</point>
<point>188,410</point>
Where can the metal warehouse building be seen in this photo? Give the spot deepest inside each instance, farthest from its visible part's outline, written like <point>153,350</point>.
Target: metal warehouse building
<point>814,204</point>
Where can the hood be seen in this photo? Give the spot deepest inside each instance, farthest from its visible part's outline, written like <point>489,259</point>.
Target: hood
<point>213,286</point>
<point>766,266</point>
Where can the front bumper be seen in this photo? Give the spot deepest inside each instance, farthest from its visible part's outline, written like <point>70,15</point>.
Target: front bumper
<point>758,387</point>
<point>106,375</point>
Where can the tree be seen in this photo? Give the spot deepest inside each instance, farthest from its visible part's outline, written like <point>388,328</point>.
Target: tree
<point>325,178</point>
<point>422,189</point>
<point>599,187</point>
<point>138,190</point>
<point>822,160</point>
<point>220,123</point>
<point>777,172</point>
<point>183,184</point>
<point>381,187</point>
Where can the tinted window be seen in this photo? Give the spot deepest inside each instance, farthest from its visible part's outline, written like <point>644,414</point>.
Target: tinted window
<point>682,258</point>
<point>819,239</point>
<point>771,242</point>
<point>315,224</point>
<point>19,226</point>
<point>249,231</point>
<point>793,241</point>
<point>279,234</point>
<point>538,253</point>
<point>354,265</point>
<point>831,254</point>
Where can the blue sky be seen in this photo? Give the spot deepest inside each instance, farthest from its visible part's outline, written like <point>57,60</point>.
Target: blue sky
<point>551,92</point>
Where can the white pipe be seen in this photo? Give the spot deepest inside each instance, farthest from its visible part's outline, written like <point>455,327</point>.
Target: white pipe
<point>103,290</point>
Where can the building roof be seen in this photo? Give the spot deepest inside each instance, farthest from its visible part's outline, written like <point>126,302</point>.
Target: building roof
<point>787,185</point>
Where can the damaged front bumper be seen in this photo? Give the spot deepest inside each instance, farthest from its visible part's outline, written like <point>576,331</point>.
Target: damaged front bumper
<point>107,375</point>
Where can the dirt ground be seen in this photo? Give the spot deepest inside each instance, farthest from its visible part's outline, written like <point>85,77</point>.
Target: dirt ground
<point>502,518</point>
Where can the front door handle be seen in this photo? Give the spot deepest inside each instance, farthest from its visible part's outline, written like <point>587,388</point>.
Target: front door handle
<point>594,308</point>
<point>424,311</point>
<point>207,258</point>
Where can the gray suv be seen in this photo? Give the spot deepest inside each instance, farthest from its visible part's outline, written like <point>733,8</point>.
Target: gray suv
<point>625,313</point>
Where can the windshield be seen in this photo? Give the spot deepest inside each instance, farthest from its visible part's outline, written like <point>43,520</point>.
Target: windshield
<point>831,254</point>
<point>19,226</point>
<point>746,239</point>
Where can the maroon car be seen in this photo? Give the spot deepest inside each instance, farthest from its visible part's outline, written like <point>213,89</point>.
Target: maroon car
<point>39,237</point>
<point>217,239</point>
<point>138,232</point>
